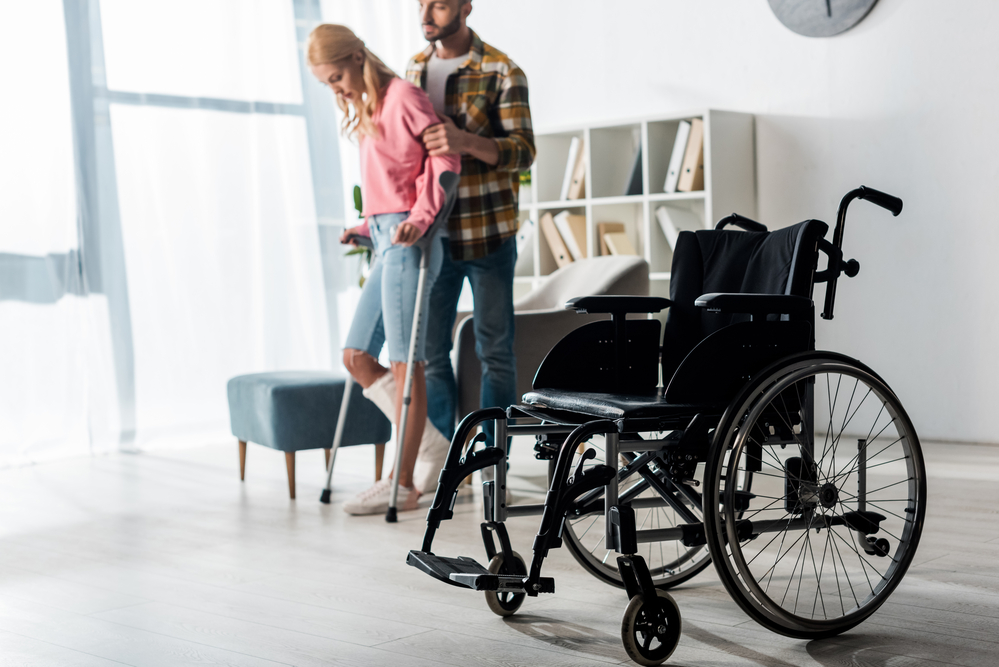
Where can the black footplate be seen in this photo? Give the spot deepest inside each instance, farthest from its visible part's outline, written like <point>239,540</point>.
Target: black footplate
<point>468,573</point>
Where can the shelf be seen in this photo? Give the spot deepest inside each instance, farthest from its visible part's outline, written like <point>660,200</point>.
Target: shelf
<point>610,150</point>
<point>563,203</point>
<point>623,199</point>
<point>677,196</point>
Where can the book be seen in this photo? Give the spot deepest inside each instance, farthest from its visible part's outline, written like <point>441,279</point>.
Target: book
<point>575,148</point>
<point>619,244</point>
<point>692,170</point>
<point>524,236</point>
<point>573,231</point>
<point>635,181</point>
<point>604,228</point>
<point>577,188</point>
<point>676,157</point>
<point>555,242</point>
<point>675,220</point>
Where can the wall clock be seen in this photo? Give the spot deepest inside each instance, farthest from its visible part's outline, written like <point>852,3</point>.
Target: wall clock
<point>821,18</point>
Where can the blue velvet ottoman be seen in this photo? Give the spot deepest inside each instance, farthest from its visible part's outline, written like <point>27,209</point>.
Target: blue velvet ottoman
<point>294,410</point>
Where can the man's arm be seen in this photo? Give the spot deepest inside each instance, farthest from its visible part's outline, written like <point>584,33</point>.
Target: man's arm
<point>447,139</point>
<point>514,152</point>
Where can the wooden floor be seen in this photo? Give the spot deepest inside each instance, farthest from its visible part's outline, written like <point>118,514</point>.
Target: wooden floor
<point>167,559</point>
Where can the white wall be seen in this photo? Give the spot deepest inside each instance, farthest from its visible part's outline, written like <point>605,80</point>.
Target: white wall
<point>905,102</point>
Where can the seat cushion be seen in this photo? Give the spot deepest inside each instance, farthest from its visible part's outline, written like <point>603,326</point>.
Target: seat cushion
<point>294,410</point>
<point>606,406</point>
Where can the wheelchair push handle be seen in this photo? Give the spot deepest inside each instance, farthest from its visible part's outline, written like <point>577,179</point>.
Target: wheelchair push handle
<point>850,267</point>
<point>882,199</point>
<point>741,222</point>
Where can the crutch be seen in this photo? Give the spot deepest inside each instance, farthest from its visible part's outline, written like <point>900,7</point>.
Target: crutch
<point>449,181</point>
<point>348,388</point>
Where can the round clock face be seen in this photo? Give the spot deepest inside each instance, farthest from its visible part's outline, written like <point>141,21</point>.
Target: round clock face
<point>821,18</point>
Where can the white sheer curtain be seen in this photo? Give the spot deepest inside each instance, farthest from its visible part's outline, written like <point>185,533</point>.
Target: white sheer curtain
<point>213,195</point>
<point>51,344</point>
<point>217,215</point>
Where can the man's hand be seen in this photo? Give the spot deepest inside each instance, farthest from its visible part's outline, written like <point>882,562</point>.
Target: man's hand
<point>444,139</point>
<point>406,234</point>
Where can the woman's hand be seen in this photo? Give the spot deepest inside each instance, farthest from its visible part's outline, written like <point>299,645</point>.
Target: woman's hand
<point>348,235</point>
<point>406,234</point>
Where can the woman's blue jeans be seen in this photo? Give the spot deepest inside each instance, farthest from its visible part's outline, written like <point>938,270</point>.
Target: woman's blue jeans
<point>388,302</point>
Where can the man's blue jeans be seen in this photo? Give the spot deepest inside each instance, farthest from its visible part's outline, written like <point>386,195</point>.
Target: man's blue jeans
<point>491,280</point>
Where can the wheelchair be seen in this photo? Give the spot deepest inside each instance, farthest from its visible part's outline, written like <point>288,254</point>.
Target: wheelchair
<point>795,471</point>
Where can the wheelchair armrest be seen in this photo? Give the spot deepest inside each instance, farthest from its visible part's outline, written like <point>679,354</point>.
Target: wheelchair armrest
<point>755,304</point>
<point>617,304</point>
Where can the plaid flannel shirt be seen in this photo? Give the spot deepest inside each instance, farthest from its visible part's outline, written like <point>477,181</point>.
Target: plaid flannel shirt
<point>488,97</point>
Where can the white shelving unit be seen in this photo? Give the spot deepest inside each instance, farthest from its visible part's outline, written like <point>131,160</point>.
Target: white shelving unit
<point>729,185</point>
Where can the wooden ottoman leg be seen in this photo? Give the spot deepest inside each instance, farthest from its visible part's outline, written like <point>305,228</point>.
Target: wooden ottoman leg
<point>289,459</point>
<point>379,460</point>
<point>242,460</point>
<point>326,453</point>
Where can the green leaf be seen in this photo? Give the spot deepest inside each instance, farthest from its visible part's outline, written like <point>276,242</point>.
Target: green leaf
<point>357,201</point>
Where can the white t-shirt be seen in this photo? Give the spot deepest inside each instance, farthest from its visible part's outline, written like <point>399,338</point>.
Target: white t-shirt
<point>438,71</point>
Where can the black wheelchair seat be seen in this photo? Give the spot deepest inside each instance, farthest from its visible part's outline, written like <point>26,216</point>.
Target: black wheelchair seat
<point>602,405</point>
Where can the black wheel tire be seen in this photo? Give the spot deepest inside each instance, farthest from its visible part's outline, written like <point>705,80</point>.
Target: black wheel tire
<point>650,639</point>
<point>606,570</point>
<point>505,604</point>
<point>717,539</point>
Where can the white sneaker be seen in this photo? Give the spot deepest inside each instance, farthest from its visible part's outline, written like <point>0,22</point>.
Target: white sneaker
<point>433,445</point>
<point>376,499</point>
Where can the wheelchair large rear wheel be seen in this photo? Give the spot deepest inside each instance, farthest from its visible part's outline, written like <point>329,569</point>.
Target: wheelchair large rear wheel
<point>838,495</point>
<point>670,563</point>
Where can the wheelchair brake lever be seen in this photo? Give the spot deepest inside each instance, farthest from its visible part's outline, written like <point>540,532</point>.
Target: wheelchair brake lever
<point>584,457</point>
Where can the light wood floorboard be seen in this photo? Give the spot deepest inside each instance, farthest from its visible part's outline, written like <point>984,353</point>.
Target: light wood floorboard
<point>168,559</point>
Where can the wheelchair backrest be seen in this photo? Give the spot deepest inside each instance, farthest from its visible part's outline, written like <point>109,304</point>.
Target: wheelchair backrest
<point>782,261</point>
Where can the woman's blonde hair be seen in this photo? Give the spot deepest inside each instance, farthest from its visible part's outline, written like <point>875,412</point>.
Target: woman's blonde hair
<point>329,44</point>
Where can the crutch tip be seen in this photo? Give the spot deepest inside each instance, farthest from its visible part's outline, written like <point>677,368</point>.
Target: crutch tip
<point>325,497</point>
<point>390,515</point>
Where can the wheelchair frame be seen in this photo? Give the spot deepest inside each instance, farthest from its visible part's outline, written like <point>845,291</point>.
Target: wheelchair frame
<point>735,443</point>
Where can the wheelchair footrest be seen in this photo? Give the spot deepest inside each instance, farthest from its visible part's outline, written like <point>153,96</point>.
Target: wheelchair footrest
<point>442,567</point>
<point>467,573</point>
<point>502,583</point>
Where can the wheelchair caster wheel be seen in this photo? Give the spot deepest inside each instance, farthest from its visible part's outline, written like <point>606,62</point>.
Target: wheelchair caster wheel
<point>651,636</point>
<point>505,603</point>
<point>878,547</point>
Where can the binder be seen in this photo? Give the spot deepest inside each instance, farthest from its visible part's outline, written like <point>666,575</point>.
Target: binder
<point>554,239</point>
<point>572,228</point>
<point>577,188</point>
<point>604,228</point>
<point>676,157</point>
<point>575,148</point>
<point>675,220</point>
<point>524,236</point>
<point>692,171</point>
<point>635,180</point>
<point>619,244</point>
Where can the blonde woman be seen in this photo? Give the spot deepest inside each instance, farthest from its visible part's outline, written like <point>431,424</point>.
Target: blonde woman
<point>402,196</point>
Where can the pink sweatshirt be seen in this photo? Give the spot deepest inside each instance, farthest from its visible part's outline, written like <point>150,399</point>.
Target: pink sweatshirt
<point>396,171</point>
